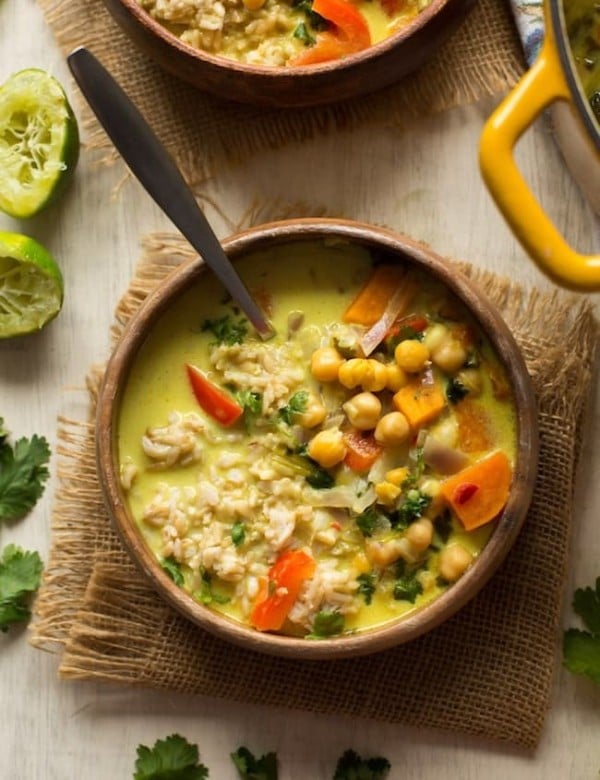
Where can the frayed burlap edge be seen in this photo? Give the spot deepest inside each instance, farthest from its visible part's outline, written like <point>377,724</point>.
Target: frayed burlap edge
<point>482,58</point>
<point>96,608</point>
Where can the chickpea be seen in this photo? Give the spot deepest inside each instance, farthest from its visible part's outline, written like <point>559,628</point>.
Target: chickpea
<point>435,336</point>
<point>397,476</point>
<point>392,429</point>
<point>363,410</point>
<point>327,447</point>
<point>411,355</point>
<point>384,553</point>
<point>453,562</point>
<point>375,375</point>
<point>350,372</point>
<point>314,414</point>
<point>449,356</point>
<point>420,534</point>
<point>396,377</point>
<point>325,363</point>
<point>387,492</point>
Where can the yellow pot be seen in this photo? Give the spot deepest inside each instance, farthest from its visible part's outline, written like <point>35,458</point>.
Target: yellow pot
<point>552,81</point>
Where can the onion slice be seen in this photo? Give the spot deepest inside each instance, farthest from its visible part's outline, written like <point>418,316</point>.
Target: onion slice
<point>396,306</point>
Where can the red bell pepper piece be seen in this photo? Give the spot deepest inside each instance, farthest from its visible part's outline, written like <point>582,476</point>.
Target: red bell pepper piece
<point>215,402</point>
<point>280,590</point>
<point>351,33</point>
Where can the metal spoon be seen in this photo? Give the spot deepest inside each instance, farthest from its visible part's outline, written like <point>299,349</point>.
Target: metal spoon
<point>153,166</point>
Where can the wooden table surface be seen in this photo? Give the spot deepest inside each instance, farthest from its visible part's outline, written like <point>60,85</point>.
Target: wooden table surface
<point>423,182</point>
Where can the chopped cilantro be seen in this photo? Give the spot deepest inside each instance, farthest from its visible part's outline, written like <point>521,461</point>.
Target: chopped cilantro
<point>303,34</point>
<point>226,330</point>
<point>319,477</point>
<point>417,458</point>
<point>251,403</point>
<point>407,587</point>
<point>238,534</point>
<point>173,569</point>
<point>251,768</point>
<point>410,509</point>
<point>443,525</point>
<point>317,22</point>
<point>352,767</point>
<point>23,472</point>
<point>327,623</point>
<point>296,405</point>
<point>455,391</point>
<point>368,521</point>
<point>366,586</point>
<point>206,594</point>
<point>20,573</point>
<point>581,649</point>
<point>173,758</point>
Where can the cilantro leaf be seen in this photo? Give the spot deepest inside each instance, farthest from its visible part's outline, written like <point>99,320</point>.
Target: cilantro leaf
<point>251,768</point>
<point>251,403</point>
<point>206,594</point>
<point>296,405</point>
<point>407,587</point>
<point>173,569</point>
<point>326,624</point>
<point>3,432</point>
<point>173,758</point>
<point>226,330</point>
<point>366,587</point>
<point>586,603</point>
<point>410,509</point>
<point>238,533</point>
<point>352,767</point>
<point>319,478</point>
<point>581,653</point>
<point>368,521</point>
<point>20,574</point>
<point>303,34</point>
<point>455,391</point>
<point>581,649</point>
<point>23,472</point>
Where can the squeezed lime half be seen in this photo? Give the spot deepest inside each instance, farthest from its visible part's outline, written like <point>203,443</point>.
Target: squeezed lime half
<point>39,142</point>
<point>31,285</point>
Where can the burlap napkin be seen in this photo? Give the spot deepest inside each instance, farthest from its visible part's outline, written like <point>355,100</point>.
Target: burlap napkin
<point>488,671</point>
<point>483,57</point>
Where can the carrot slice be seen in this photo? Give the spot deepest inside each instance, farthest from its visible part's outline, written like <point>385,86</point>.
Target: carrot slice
<point>419,403</point>
<point>280,590</point>
<point>371,302</point>
<point>362,450</point>
<point>473,426</point>
<point>478,493</point>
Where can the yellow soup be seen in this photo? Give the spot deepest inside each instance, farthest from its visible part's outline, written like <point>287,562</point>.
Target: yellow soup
<point>283,32</point>
<point>335,478</point>
<point>583,27</point>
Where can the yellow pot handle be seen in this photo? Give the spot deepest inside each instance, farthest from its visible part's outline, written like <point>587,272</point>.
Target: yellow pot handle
<point>543,84</point>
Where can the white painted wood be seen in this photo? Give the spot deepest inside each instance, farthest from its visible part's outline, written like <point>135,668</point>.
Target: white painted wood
<point>424,182</point>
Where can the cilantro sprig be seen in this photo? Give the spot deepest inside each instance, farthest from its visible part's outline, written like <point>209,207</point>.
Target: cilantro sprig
<point>173,758</point>
<point>581,649</point>
<point>23,473</point>
<point>20,574</point>
<point>227,330</point>
<point>352,767</point>
<point>251,768</point>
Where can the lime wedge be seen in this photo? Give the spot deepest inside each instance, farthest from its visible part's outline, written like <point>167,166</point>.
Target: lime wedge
<point>39,142</point>
<point>31,286</point>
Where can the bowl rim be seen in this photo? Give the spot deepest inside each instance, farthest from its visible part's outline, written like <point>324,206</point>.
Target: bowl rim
<point>373,51</point>
<point>507,527</point>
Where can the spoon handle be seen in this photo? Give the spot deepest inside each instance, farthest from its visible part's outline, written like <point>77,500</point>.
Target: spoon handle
<point>156,170</point>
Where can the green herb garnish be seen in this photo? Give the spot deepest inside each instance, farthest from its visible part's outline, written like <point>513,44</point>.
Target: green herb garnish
<point>455,391</point>
<point>238,534</point>
<point>23,473</point>
<point>413,506</point>
<point>206,594</point>
<point>226,330</point>
<point>251,403</point>
<point>366,586</point>
<point>303,34</point>
<point>173,758</point>
<point>581,649</point>
<point>251,768</point>
<point>327,623</point>
<point>296,405</point>
<point>173,569</point>
<point>407,587</point>
<point>20,573</point>
<point>352,767</point>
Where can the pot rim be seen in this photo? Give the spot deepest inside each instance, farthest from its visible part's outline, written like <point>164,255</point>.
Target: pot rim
<point>565,54</point>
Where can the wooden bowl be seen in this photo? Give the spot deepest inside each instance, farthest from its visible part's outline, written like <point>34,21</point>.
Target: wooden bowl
<point>506,527</point>
<point>376,67</point>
